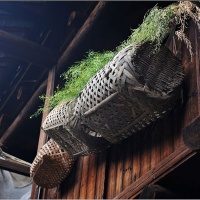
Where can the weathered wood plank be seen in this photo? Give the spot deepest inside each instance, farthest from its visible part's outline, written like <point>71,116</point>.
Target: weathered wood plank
<point>112,172</point>
<point>145,153</point>
<point>165,166</point>
<point>101,170</point>
<point>27,50</point>
<point>167,134</point>
<point>136,157</point>
<point>92,177</point>
<point>120,169</point>
<point>156,147</point>
<point>69,185</point>
<point>84,178</point>
<point>191,133</point>
<point>127,164</point>
<point>78,177</point>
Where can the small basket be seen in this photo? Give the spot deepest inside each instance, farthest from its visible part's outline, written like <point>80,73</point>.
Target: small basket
<point>67,130</point>
<point>135,88</point>
<point>51,165</point>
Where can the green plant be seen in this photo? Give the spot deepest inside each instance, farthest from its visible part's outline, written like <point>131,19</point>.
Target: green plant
<point>157,24</point>
<point>76,78</point>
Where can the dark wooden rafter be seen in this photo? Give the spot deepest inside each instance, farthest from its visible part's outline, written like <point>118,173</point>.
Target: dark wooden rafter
<point>83,31</point>
<point>22,76</point>
<point>24,113</point>
<point>63,61</point>
<point>15,167</point>
<point>27,50</point>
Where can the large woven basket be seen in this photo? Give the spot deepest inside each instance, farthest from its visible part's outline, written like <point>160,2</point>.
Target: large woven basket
<point>135,88</point>
<point>51,165</point>
<point>67,130</point>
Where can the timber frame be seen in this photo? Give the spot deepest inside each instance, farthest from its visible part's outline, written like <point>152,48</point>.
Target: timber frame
<point>125,169</point>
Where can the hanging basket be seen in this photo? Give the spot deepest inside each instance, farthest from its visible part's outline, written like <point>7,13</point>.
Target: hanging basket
<point>67,131</point>
<point>51,165</point>
<point>135,88</point>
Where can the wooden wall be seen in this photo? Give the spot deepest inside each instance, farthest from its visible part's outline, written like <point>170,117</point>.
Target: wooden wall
<point>125,169</point>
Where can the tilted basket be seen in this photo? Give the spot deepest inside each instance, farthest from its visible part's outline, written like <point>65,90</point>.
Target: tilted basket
<point>51,165</point>
<point>67,130</point>
<point>135,88</point>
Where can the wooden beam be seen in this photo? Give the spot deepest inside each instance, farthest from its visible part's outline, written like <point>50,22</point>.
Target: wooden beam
<point>24,113</point>
<point>83,31</point>
<point>157,192</point>
<point>15,167</point>
<point>159,171</point>
<point>27,50</point>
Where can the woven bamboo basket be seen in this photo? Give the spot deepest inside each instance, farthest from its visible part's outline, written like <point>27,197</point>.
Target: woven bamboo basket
<point>135,88</point>
<point>67,130</point>
<point>51,165</point>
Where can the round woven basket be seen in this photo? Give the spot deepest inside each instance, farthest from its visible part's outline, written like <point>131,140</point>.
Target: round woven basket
<point>135,88</point>
<point>51,165</point>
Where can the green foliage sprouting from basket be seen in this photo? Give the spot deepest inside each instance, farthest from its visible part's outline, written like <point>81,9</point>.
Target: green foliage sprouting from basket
<point>77,77</point>
<point>157,24</point>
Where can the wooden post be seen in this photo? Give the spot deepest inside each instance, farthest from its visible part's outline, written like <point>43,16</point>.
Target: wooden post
<point>191,132</point>
<point>36,191</point>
